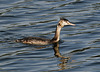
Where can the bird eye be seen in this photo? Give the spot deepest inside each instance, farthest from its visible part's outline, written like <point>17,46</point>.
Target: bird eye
<point>59,24</point>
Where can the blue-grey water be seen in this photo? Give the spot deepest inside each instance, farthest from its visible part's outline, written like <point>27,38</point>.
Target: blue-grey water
<point>79,49</point>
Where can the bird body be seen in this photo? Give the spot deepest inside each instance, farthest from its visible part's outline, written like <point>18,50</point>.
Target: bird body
<point>43,41</point>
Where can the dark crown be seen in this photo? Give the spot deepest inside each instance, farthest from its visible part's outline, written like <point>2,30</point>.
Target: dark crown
<point>62,18</point>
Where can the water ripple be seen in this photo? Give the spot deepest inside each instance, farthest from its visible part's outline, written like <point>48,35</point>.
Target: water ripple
<point>78,49</point>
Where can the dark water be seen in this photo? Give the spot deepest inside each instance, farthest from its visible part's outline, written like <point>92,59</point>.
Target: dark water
<point>80,47</point>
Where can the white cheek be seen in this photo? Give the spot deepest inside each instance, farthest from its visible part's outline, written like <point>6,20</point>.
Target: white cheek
<point>64,23</point>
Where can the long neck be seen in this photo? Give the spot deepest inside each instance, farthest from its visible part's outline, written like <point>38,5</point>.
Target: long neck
<point>57,34</point>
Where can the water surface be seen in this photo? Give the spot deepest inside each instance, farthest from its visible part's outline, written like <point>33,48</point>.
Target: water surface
<point>79,49</point>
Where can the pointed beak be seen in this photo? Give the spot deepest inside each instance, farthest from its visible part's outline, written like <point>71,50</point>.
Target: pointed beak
<point>70,23</point>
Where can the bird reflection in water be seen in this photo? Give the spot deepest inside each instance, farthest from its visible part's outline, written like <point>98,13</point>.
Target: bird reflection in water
<point>63,60</point>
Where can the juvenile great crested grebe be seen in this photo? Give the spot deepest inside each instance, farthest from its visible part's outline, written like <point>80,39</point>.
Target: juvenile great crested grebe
<point>43,41</point>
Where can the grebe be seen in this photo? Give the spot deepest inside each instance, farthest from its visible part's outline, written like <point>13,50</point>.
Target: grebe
<point>43,41</point>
